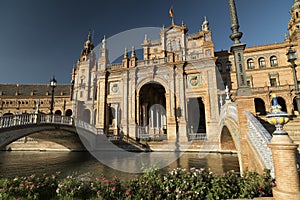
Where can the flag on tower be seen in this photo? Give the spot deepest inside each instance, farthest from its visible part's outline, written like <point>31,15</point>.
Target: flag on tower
<point>171,12</point>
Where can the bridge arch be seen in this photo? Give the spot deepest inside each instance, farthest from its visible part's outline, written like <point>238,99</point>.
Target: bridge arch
<point>226,140</point>
<point>229,137</point>
<point>62,130</point>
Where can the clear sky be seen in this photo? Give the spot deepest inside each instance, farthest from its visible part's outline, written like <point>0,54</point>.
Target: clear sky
<point>39,39</point>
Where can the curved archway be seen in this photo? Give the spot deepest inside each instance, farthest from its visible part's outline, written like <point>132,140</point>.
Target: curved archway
<point>295,107</point>
<point>226,140</point>
<point>57,112</point>
<point>152,108</point>
<point>260,107</point>
<point>69,113</point>
<point>229,139</point>
<point>282,103</point>
<point>196,115</point>
<point>156,80</point>
<point>8,114</point>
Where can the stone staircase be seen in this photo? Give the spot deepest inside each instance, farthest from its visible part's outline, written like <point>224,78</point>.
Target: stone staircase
<point>292,127</point>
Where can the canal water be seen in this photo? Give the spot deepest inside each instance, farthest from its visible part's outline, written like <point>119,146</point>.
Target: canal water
<point>20,163</point>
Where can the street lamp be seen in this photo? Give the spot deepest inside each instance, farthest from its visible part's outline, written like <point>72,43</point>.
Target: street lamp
<point>53,84</point>
<point>291,56</point>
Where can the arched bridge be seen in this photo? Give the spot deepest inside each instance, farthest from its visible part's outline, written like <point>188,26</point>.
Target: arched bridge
<point>14,127</point>
<point>252,145</point>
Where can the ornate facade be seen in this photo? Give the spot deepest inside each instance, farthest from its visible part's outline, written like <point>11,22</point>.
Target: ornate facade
<point>174,90</point>
<point>156,95</point>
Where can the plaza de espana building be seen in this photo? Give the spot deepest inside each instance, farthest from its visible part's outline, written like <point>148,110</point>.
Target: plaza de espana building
<point>157,94</point>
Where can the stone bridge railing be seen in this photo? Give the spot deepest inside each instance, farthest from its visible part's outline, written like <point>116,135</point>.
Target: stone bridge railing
<point>228,110</point>
<point>260,137</point>
<point>39,118</point>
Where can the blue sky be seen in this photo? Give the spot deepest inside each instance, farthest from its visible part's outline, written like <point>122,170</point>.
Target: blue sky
<point>40,39</point>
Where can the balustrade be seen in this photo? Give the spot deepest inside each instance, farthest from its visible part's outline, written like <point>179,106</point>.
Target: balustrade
<point>260,138</point>
<point>26,119</point>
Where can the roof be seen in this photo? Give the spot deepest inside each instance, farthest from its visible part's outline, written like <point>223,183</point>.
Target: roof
<point>33,90</point>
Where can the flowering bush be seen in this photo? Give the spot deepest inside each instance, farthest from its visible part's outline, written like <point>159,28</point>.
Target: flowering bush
<point>177,184</point>
<point>31,187</point>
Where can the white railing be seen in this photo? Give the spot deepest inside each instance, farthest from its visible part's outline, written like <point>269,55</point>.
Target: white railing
<point>154,137</point>
<point>260,138</point>
<point>228,110</point>
<point>86,126</point>
<point>39,118</point>
<point>197,136</point>
<point>232,112</point>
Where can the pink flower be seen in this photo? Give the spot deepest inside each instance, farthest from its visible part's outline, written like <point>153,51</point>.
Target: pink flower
<point>127,192</point>
<point>106,182</point>
<point>113,188</point>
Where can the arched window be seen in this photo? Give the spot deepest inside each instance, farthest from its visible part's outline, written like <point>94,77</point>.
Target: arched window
<point>228,66</point>
<point>260,107</point>
<point>219,67</point>
<point>250,63</point>
<point>69,112</point>
<point>262,62</point>
<point>58,112</point>
<point>273,61</point>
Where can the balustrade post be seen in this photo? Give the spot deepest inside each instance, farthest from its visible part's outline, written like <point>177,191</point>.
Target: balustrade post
<point>284,156</point>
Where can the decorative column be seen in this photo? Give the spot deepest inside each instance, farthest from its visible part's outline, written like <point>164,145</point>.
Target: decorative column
<point>284,157</point>
<point>237,50</point>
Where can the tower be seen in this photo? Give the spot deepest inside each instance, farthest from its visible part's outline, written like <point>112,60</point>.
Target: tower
<point>294,23</point>
<point>84,81</point>
<point>237,50</point>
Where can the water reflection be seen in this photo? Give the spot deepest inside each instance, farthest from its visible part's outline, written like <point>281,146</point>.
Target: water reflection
<point>82,163</point>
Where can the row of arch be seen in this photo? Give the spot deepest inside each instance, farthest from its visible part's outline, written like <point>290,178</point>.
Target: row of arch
<point>21,102</point>
<point>260,107</point>
<point>261,62</point>
<point>68,113</point>
<point>251,64</point>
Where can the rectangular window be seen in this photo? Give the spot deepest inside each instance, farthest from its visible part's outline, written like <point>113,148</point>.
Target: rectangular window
<point>249,83</point>
<point>273,82</point>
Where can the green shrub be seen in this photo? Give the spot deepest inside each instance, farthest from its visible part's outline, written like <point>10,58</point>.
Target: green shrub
<point>177,184</point>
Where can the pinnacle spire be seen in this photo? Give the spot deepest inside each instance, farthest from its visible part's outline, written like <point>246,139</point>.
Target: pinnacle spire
<point>205,24</point>
<point>171,13</point>
<point>132,52</point>
<point>104,42</point>
<point>236,35</point>
<point>125,53</point>
<point>89,36</point>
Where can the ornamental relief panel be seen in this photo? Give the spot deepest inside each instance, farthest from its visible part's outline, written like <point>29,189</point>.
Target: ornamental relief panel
<point>193,80</point>
<point>114,87</point>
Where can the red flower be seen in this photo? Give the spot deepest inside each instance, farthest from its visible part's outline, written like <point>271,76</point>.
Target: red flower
<point>127,192</point>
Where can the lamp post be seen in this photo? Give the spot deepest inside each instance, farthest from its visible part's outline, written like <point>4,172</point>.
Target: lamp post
<point>53,84</point>
<point>291,56</point>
